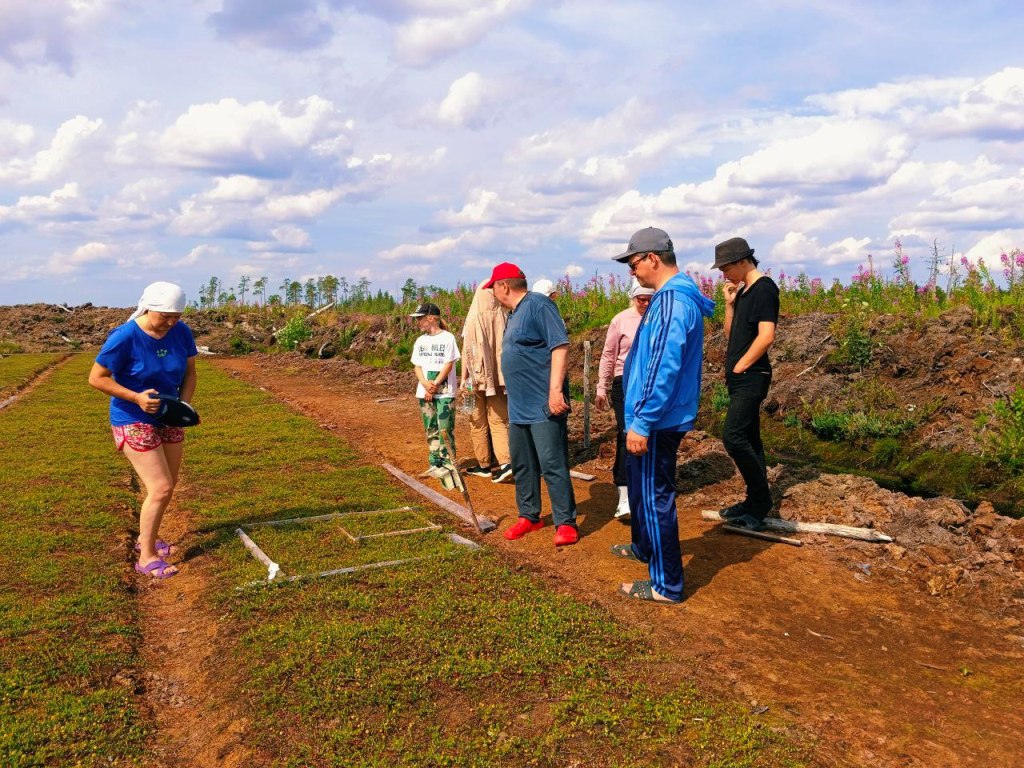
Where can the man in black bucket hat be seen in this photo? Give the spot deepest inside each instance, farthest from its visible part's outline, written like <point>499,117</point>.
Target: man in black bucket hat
<point>751,314</point>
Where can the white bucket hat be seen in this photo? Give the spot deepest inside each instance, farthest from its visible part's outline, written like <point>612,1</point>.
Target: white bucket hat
<point>635,289</point>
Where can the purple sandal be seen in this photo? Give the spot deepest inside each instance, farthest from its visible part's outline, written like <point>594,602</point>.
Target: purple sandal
<point>162,547</point>
<point>156,570</point>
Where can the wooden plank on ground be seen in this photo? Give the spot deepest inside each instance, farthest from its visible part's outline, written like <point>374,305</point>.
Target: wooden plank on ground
<point>762,535</point>
<point>831,529</point>
<point>442,501</point>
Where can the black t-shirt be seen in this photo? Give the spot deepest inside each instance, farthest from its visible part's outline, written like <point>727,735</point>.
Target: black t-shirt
<point>758,304</point>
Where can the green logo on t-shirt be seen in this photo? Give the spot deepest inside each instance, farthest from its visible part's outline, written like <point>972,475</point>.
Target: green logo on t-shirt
<point>161,353</point>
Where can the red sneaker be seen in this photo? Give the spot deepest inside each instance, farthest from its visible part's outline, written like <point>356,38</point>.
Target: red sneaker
<point>523,527</point>
<point>566,534</point>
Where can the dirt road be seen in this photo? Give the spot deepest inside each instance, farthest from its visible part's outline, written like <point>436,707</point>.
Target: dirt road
<point>840,642</point>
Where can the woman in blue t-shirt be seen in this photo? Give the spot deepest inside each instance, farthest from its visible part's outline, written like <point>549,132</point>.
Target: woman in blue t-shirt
<point>153,353</point>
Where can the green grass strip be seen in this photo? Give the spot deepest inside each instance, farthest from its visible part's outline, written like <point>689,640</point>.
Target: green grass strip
<point>17,370</point>
<point>457,660</point>
<point>68,623</point>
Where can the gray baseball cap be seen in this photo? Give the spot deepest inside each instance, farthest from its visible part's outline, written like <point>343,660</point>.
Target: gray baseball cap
<point>645,241</point>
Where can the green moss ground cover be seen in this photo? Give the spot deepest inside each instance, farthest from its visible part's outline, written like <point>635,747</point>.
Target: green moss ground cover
<point>68,623</point>
<point>455,660</point>
<point>17,370</point>
<point>459,659</point>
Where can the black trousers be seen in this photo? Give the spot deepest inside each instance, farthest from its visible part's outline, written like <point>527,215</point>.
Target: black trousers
<point>619,406</point>
<point>742,436</point>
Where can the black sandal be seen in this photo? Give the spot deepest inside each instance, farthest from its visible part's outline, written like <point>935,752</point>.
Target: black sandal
<point>641,590</point>
<point>625,551</point>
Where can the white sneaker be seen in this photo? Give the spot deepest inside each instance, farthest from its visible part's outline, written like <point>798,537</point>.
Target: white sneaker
<point>622,510</point>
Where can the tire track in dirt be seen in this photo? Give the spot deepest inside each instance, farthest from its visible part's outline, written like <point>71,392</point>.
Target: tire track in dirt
<point>185,694</point>
<point>870,667</point>
<point>25,387</point>
<point>185,688</point>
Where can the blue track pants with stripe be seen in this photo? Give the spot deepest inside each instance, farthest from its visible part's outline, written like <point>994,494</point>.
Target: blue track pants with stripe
<point>651,480</point>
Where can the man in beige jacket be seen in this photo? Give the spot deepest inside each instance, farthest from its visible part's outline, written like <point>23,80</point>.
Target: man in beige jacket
<point>481,377</point>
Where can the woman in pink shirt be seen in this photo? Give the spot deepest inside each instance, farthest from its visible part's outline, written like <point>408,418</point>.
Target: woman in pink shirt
<point>621,331</point>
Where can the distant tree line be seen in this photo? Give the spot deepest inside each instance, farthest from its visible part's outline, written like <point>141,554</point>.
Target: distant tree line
<point>314,293</point>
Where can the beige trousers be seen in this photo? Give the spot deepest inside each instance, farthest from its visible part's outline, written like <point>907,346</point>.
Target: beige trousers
<point>488,428</point>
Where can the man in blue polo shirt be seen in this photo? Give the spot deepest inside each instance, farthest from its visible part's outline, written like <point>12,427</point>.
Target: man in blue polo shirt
<point>534,355</point>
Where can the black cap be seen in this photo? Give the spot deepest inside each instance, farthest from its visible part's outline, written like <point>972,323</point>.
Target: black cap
<point>426,309</point>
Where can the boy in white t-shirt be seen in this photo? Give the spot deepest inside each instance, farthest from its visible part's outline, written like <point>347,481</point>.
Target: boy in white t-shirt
<point>434,355</point>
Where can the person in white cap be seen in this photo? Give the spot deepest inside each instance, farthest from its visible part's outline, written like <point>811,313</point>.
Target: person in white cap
<point>545,288</point>
<point>617,342</point>
<point>151,354</point>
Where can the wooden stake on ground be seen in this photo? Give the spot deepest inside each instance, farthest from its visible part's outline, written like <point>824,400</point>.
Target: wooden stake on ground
<point>485,524</point>
<point>831,529</point>
<point>762,535</point>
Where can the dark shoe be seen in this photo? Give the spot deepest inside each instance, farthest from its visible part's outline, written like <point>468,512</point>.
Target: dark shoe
<point>733,512</point>
<point>502,473</point>
<point>747,523</point>
<point>478,471</point>
<point>566,534</point>
<point>522,527</point>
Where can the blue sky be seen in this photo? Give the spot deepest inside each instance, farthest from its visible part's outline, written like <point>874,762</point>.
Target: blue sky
<point>432,139</point>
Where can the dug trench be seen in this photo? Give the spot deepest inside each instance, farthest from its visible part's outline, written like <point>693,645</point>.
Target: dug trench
<point>901,654</point>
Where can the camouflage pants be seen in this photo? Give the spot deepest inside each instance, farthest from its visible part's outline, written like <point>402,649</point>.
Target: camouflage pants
<point>439,424</point>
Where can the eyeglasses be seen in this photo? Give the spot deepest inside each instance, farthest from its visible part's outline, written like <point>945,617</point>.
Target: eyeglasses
<point>633,264</point>
<point>642,299</point>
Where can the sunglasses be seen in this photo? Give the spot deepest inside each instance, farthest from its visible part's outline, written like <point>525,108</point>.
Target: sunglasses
<point>633,264</point>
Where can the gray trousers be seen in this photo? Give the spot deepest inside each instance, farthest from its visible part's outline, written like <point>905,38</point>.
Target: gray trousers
<point>542,450</point>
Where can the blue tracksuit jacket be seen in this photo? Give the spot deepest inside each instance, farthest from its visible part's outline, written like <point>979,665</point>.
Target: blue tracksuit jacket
<point>662,373</point>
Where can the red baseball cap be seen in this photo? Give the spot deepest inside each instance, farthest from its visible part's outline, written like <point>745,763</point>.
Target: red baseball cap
<point>504,271</point>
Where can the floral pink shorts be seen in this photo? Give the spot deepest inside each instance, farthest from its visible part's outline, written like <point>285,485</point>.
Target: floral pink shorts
<point>145,437</point>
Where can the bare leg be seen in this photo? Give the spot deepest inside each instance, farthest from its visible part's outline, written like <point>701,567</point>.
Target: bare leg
<point>158,475</point>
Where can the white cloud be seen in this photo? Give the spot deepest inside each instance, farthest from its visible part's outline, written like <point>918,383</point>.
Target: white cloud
<point>990,247</point>
<point>464,104</point>
<point>431,251</point>
<point>852,152</point>
<point>887,99</point>
<point>425,40</point>
<point>81,257</point>
<point>573,270</point>
<point>33,32</point>
<point>992,109</point>
<point>240,189</point>
<point>256,139</point>
<point>14,137</point>
<point>73,138</point>
<point>286,239</point>
<point>808,254</point>
<point>201,254</point>
<point>62,203</point>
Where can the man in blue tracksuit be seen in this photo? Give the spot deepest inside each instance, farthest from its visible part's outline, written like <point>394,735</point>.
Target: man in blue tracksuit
<point>661,381</point>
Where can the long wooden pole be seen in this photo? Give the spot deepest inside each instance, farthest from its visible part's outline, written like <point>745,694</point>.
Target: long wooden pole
<point>482,523</point>
<point>586,395</point>
<point>793,526</point>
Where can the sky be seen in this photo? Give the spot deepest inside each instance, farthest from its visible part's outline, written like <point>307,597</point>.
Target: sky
<point>433,139</point>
